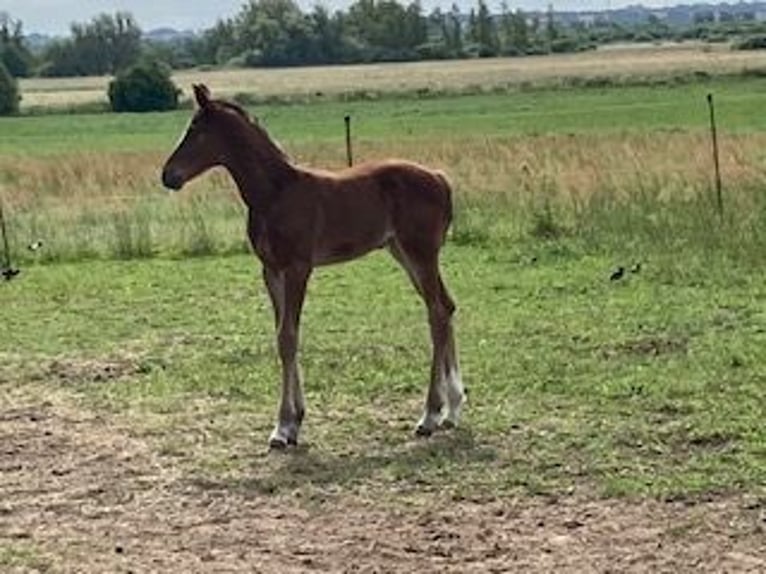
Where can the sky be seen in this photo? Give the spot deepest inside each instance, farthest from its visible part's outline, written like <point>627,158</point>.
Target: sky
<point>53,17</point>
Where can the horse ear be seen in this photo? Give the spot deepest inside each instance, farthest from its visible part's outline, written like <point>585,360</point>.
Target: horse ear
<point>201,94</point>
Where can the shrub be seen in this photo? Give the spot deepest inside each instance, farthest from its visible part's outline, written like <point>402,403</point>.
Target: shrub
<point>757,42</point>
<point>9,92</point>
<point>144,87</point>
<point>566,45</point>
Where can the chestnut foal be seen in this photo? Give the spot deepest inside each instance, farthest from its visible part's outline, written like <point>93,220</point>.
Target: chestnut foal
<point>300,218</point>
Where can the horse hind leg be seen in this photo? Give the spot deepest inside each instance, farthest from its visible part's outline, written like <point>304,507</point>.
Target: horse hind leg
<point>445,385</point>
<point>456,395</point>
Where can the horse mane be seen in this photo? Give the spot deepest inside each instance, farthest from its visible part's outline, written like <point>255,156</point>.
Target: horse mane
<point>254,125</point>
<point>236,108</point>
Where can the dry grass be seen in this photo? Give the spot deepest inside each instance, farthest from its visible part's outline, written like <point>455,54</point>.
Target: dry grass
<point>112,204</point>
<point>616,62</point>
<point>569,167</point>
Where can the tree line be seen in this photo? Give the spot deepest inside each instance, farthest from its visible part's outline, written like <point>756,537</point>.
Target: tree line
<point>280,33</point>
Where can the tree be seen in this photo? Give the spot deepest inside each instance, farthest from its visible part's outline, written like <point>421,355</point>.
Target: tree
<point>481,30</point>
<point>415,31</point>
<point>551,32</point>
<point>218,44</point>
<point>386,29</point>
<point>13,52</point>
<point>105,45</point>
<point>9,92</point>
<point>455,31</point>
<point>515,38</point>
<point>143,88</point>
<point>275,33</point>
<point>331,42</point>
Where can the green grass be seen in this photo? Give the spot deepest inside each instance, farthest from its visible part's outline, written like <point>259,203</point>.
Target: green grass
<point>541,111</point>
<point>23,557</point>
<point>88,185</point>
<point>648,386</point>
<point>652,385</point>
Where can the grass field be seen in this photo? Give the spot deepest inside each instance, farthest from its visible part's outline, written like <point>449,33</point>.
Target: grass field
<point>611,424</point>
<point>149,387</point>
<point>88,184</point>
<point>584,383</point>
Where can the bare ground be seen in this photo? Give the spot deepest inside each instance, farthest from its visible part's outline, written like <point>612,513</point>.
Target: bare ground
<point>79,494</point>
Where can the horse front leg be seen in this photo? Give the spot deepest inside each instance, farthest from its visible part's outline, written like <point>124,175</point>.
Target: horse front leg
<point>292,408</point>
<point>275,289</point>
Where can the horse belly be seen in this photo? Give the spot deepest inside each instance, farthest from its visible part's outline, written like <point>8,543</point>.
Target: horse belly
<point>342,239</point>
<point>347,248</point>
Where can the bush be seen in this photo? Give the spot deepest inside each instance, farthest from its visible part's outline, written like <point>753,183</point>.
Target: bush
<point>757,42</point>
<point>434,51</point>
<point>9,92</point>
<point>144,87</point>
<point>566,45</point>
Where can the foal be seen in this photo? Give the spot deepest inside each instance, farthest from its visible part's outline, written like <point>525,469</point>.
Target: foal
<point>301,218</point>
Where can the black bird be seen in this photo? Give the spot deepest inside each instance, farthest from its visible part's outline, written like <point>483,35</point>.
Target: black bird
<point>617,274</point>
<point>636,268</point>
<point>9,273</point>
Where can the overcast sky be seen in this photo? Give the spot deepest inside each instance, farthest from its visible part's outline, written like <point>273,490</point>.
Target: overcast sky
<point>54,17</point>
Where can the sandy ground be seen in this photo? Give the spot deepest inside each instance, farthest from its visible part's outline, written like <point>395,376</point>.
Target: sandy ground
<point>77,494</point>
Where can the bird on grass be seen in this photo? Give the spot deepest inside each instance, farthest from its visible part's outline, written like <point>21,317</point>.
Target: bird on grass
<point>617,274</point>
<point>9,273</point>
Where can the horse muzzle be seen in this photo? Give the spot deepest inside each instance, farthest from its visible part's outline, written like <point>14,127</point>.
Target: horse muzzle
<point>172,179</point>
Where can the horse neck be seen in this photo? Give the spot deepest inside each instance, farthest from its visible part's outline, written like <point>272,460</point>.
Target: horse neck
<point>260,169</point>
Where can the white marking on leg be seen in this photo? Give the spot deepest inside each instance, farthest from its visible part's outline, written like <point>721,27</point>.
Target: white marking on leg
<point>432,419</point>
<point>455,397</point>
<point>284,434</point>
<point>429,422</point>
<point>286,430</point>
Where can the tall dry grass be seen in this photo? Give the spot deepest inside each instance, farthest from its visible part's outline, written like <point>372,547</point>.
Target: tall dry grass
<point>601,188</point>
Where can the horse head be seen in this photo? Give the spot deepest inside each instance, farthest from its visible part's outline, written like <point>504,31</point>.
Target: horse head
<point>199,148</point>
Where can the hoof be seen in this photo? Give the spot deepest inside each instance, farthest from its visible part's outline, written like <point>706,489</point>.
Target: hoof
<point>452,419</point>
<point>448,424</point>
<point>428,424</point>
<point>422,430</point>
<point>277,443</point>
<point>281,439</point>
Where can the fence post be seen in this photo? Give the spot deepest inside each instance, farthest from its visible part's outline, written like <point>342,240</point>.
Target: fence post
<point>349,156</point>
<point>6,270</point>
<point>716,162</point>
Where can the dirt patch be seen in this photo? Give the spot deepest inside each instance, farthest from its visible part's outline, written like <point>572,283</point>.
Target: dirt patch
<point>77,493</point>
<point>90,370</point>
<point>646,347</point>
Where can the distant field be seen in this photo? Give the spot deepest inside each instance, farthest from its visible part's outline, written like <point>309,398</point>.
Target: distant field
<point>574,110</point>
<point>620,62</point>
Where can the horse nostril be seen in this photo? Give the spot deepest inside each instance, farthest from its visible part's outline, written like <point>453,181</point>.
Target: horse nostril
<point>171,179</point>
